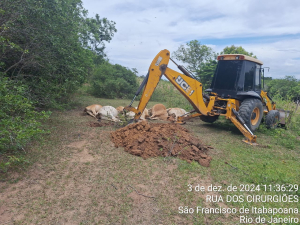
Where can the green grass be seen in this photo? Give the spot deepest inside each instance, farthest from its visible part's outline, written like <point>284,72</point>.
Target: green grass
<point>75,174</point>
<point>270,163</point>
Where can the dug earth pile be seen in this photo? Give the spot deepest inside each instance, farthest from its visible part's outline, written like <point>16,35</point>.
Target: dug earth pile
<point>167,139</point>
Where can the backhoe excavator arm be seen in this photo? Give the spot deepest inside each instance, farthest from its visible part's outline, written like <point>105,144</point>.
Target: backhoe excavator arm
<point>189,87</point>
<point>268,101</point>
<point>156,70</point>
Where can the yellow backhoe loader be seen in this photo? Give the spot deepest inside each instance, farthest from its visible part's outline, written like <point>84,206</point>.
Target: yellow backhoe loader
<point>235,92</point>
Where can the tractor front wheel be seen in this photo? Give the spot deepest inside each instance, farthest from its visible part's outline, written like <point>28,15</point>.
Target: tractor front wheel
<point>272,119</point>
<point>251,110</point>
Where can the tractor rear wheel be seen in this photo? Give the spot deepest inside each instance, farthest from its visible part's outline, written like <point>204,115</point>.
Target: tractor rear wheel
<point>251,110</point>
<point>208,119</point>
<point>272,119</point>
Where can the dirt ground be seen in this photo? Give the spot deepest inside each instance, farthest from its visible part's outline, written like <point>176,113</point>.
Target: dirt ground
<point>151,140</point>
<point>101,124</point>
<point>80,177</point>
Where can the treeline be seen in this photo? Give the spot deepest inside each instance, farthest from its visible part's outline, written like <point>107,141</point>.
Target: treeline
<point>201,60</point>
<point>48,49</point>
<point>287,88</point>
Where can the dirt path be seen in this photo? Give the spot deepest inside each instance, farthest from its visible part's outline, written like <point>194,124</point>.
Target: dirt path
<point>80,177</point>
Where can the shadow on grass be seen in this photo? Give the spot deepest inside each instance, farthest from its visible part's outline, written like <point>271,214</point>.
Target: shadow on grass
<point>222,126</point>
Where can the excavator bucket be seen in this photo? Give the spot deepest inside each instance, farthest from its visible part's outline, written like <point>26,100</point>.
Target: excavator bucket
<point>284,117</point>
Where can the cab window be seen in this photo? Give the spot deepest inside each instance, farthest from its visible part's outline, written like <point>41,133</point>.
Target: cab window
<point>250,69</point>
<point>257,78</point>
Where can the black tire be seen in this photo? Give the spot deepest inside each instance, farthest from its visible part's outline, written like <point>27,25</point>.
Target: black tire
<point>251,110</point>
<point>208,119</point>
<point>263,120</point>
<point>272,119</point>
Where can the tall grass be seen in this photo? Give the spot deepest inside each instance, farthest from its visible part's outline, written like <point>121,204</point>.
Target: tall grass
<point>289,136</point>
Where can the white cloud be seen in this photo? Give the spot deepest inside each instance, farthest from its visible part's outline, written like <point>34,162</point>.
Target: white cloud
<point>146,27</point>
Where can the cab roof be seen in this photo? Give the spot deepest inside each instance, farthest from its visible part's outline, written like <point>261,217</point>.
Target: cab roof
<point>238,57</point>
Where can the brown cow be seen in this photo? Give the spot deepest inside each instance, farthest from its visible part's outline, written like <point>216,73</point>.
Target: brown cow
<point>120,109</point>
<point>93,110</point>
<point>159,111</point>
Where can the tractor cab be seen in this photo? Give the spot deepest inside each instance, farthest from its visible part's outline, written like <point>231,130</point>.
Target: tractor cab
<point>237,76</point>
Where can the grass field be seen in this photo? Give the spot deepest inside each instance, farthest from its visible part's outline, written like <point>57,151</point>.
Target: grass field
<point>75,175</point>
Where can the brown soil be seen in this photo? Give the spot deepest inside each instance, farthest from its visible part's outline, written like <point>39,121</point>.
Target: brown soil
<point>95,124</point>
<point>151,140</point>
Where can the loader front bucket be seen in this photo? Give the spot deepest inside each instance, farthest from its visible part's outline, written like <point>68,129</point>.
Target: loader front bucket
<point>284,117</point>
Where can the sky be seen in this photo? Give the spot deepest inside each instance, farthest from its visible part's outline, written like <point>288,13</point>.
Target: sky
<point>269,29</point>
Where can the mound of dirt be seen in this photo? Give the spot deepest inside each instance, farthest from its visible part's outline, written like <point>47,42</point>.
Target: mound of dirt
<point>151,140</point>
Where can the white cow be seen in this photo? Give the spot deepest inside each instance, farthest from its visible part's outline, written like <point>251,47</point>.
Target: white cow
<point>174,113</point>
<point>145,114</point>
<point>108,113</point>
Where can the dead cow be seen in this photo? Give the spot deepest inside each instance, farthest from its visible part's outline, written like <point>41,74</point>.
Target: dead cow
<point>120,109</point>
<point>93,110</point>
<point>128,114</point>
<point>145,114</point>
<point>108,113</point>
<point>131,114</point>
<point>173,113</point>
<point>159,111</point>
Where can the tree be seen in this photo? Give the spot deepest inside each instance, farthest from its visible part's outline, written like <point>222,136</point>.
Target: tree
<point>206,73</point>
<point>50,46</point>
<point>194,55</point>
<point>95,31</point>
<point>47,49</point>
<point>135,71</point>
<point>236,50</point>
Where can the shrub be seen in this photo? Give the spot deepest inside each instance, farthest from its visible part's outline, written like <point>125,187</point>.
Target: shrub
<point>287,88</point>
<point>113,81</point>
<point>19,122</point>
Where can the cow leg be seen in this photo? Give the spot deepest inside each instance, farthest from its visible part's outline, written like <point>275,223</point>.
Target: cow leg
<point>91,114</point>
